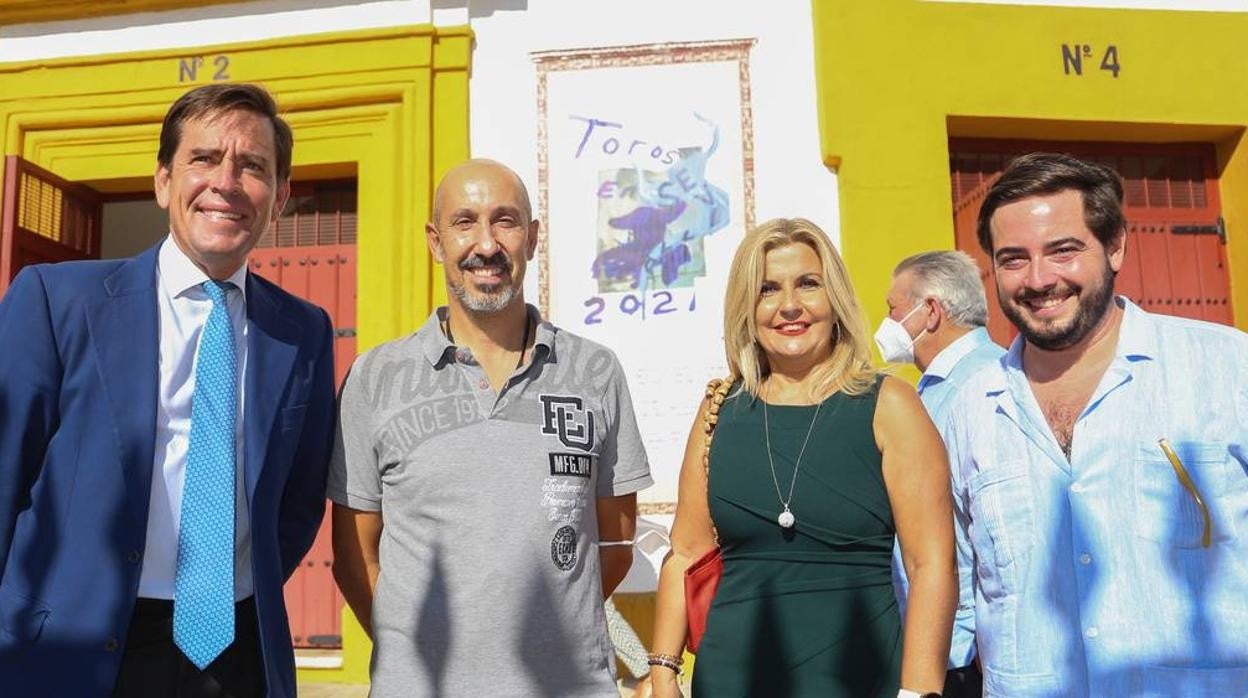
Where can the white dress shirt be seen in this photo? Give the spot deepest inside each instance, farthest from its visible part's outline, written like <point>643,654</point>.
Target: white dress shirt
<point>1092,577</point>
<point>183,309</point>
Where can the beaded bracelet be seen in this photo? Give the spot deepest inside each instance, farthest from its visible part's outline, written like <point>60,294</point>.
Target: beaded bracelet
<point>666,660</point>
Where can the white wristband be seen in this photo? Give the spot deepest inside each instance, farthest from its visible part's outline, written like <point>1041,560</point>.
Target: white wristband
<point>609,543</point>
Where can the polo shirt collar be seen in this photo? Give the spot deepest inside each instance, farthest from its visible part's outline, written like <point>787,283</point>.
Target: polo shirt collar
<point>438,348</point>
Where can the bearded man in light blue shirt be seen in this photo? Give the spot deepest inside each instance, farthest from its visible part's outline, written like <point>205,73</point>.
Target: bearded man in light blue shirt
<point>1101,470</point>
<point>937,312</point>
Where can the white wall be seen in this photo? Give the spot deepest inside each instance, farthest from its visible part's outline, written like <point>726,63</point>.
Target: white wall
<point>789,177</point>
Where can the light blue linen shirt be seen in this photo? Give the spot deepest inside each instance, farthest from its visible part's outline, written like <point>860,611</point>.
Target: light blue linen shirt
<point>948,372</point>
<point>1090,577</point>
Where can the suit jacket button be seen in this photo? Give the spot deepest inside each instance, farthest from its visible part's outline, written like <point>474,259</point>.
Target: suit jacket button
<point>110,645</point>
<point>133,556</point>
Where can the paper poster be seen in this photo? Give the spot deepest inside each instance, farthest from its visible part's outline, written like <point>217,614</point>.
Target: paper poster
<point>646,187</point>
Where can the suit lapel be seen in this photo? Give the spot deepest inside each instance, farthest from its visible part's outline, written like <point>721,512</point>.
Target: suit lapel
<point>272,345</point>
<point>124,333</point>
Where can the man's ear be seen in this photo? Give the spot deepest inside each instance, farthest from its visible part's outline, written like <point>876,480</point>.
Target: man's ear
<point>160,184</point>
<point>279,202</point>
<point>1116,250</point>
<point>935,315</point>
<point>530,246</point>
<point>435,243</point>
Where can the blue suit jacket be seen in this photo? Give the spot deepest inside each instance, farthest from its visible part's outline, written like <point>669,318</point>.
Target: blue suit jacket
<point>78,398</point>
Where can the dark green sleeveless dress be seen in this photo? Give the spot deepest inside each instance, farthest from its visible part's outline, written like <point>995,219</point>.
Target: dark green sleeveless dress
<point>808,611</point>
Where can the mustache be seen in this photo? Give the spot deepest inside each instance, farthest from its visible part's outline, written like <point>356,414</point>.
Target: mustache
<point>476,261</point>
<point>1054,292</point>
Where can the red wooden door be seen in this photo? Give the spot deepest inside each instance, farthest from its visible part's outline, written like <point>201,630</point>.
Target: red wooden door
<point>1178,268</point>
<point>45,219</point>
<point>311,253</point>
<point>1176,244</point>
<point>965,213</point>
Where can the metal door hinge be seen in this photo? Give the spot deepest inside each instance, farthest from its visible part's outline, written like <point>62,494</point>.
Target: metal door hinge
<point>1218,229</point>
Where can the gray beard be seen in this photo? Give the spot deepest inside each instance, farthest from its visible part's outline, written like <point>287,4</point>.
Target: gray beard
<point>488,302</point>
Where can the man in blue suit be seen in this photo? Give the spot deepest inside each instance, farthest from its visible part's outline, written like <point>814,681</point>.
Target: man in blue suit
<point>165,428</point>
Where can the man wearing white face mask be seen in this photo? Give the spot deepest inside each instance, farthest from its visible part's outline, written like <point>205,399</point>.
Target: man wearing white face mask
<point>937,314</point>
<point>936,320</point>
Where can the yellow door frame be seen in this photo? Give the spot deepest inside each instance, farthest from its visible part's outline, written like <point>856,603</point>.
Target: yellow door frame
<point>388,105</point>
<point>363,102</point>
<point>897,78</point>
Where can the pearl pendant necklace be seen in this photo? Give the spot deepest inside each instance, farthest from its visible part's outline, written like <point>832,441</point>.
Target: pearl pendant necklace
<point>786,519</point>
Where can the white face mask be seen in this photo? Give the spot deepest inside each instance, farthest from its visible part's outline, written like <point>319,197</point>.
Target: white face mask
<point>894,341</point>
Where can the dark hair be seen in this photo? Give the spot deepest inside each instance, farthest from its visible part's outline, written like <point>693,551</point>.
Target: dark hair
<point>1041,174</point>
<point>218,98</point>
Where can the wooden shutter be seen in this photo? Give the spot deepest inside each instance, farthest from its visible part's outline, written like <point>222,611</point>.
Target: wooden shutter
<point>45,219</point>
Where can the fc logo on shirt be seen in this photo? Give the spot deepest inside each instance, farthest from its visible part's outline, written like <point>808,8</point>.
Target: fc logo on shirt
<point>567,417</point>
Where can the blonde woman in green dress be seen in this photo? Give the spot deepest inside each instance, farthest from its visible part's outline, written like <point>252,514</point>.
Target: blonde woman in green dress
<point>816,462</point>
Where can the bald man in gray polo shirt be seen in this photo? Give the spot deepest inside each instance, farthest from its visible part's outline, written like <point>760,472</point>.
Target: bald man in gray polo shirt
<point>479,464</point>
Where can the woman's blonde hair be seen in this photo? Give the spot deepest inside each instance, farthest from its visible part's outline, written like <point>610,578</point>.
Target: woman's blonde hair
<point>848,368</point>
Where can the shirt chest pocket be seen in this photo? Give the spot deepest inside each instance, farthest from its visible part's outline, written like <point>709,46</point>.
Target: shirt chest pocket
<point>1003,523</point>
<point>1166,508</point>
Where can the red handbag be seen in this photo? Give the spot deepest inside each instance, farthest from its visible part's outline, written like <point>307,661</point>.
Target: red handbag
<point>702,577</point>
<point>701,582</point>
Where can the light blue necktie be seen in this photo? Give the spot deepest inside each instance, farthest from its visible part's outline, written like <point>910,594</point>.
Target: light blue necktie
<point>203,605</point>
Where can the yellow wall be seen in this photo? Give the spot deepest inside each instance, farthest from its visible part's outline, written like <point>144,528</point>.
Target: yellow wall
<point>368,102</point>
<point>896,78</point>
<point>18,11</point>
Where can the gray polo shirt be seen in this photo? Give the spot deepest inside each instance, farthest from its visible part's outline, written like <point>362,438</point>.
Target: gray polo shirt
<point>490,582</point>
